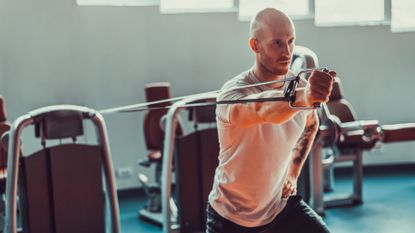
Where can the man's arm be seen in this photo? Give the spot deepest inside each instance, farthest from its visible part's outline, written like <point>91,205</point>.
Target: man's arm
<point>317,90</point>
<point>300,154</point>
<point>277,112</point>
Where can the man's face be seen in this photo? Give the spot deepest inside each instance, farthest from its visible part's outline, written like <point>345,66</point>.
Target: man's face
<point>276,46</point>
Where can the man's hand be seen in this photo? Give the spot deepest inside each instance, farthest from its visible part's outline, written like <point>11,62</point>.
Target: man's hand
<point>319,86</point>
<point>290,187</point>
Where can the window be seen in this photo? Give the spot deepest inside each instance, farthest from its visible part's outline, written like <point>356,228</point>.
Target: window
<point>294,8</point>
<point>180,6</point>
<point>403,15</point>
<point>117,2</point>
<point>350,12</point>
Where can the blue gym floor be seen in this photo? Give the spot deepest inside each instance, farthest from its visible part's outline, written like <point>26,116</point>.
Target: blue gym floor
<point>389,206</point>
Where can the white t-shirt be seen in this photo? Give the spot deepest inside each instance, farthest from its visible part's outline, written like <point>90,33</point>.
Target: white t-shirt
<point>253,161</point>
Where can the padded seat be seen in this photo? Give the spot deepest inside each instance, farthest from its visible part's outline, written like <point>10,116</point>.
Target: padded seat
<point>153,132</point>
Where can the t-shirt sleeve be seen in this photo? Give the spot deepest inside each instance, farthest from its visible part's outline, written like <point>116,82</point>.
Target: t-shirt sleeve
<point>223,110</point>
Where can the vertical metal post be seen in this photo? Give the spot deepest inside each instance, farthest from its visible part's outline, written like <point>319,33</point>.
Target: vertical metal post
<point>357,178</point>
<point>316,178</point>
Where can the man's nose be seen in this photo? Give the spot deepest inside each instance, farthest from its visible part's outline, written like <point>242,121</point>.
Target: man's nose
<point>286,49</point>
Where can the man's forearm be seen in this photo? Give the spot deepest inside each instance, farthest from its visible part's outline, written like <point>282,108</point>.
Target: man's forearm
<point>275,112</point>
<point>304,144</point>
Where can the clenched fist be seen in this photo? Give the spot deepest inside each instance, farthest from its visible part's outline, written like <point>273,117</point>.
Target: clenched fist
<point>319,86</point>
<point>290,187</point>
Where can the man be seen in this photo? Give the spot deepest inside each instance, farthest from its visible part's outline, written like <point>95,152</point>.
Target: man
<point>263,146</point>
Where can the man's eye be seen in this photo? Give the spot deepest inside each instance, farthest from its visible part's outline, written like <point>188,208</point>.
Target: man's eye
<point>277,42</point>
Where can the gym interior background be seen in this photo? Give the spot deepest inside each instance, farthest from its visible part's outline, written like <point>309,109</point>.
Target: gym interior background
<point>102,56</point>
<point>57,52</point>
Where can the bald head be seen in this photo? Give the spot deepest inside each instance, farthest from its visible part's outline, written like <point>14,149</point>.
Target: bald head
<point>272,40</point>
<point>267,20</point>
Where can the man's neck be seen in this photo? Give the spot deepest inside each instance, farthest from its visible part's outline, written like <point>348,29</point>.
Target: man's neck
<point>264,75</point>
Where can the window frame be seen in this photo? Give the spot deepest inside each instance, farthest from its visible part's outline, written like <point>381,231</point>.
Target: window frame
<point>233,8</point>
<point>117,2</point>
<point>309,15</point>
<point>383,21</point>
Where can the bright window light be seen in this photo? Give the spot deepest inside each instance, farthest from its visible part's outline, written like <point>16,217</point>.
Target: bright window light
<point>294,8</point>
<point>183,6</point>
<point>403,15</point>
<point>117,2</point>
<point>349,12</point>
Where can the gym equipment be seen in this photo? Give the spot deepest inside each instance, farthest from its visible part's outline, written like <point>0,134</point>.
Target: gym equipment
<point>195,156</point>
<point>154,136</point>
<point>353,137</point>
<point>61,186</point>
<point>4,127</point>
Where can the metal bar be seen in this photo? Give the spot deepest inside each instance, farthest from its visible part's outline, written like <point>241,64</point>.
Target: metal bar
<point>166,177</point>
<point>316,177</point>
<point>207,104</point>
<point>358,177</point>
<point>109,172</point>
<point>22,122</point>
<point>295,79</point>
<point>129,108</point>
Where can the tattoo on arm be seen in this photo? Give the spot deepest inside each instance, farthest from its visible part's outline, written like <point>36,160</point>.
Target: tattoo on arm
<point>304,144</point>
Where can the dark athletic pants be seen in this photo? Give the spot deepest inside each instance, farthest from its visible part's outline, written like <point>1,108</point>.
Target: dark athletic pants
<point>296,217</point>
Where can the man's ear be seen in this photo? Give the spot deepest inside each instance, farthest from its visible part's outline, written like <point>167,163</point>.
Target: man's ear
<point>253,43</point>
